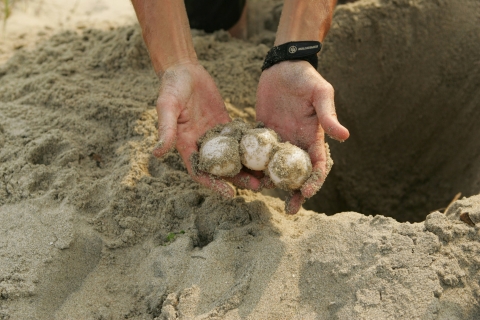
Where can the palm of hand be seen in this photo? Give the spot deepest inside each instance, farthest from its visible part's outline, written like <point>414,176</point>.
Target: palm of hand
<point>295,101</point>
<point>188,105</point>
<point>287,107</point>
<point>190,96</point>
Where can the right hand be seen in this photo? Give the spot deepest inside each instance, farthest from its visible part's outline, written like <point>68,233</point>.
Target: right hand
<point>188,105</point>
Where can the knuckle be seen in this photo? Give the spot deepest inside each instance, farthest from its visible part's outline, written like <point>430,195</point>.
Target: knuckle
<point>165,100</point>
<point>326,88</point>
<point>163,129</point>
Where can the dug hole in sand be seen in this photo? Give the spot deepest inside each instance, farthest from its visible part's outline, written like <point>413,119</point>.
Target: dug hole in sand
<point>92,226</point>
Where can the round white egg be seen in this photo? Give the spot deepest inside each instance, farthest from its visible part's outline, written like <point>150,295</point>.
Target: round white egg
<point>220,156</point>
<point>290,167</point>
<point>257,147</point>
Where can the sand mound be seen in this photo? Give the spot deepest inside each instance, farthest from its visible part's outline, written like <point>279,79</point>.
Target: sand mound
<point>407,79</point>
<point>94,227</point>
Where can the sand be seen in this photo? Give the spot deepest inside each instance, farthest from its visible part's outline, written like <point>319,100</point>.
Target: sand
<point>92,226</point>
<point>407,80</point>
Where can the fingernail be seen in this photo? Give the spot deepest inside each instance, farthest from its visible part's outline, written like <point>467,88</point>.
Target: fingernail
<point>159,149</point>
<point>293,204</point>
<point>332,137</point>
<point>159,144</point>
<point>266,183</point>
<point>225,190</point>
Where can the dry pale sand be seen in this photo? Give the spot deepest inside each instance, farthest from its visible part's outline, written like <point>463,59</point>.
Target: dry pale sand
<point>92,226</point>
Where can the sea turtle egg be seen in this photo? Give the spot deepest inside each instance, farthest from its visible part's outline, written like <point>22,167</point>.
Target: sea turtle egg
<point>257,147</point>
<point>290,167</point>
<point>219,156</point>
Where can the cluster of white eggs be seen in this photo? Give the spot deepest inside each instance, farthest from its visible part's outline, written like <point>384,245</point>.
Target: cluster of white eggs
<point>225,149</point>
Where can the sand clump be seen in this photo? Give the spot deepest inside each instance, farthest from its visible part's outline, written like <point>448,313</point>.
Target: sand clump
<point>410,110</point>
<point>94,227</point>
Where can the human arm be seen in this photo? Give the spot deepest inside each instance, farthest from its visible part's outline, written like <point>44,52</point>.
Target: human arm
<point>188,103</point>
<point>166,33</point>
<point>295,100</point>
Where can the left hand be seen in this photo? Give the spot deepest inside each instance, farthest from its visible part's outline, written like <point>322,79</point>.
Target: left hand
<point>295,101</point>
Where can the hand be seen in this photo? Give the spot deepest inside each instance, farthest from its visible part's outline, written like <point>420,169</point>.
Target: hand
<point>294,100</point>
<point>188,105</point>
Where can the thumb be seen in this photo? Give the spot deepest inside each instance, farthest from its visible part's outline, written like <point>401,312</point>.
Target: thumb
<point>324,104</point>
<point>168,113</point>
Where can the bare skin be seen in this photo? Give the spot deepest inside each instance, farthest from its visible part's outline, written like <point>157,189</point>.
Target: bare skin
<point>189,104</point>
<point>300,112</point>
<point>295,100</point>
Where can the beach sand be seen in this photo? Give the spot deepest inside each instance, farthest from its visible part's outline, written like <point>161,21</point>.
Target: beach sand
<point>92,226</point>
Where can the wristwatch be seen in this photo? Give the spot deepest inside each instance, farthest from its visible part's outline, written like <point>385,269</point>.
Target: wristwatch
<point>294,50</point>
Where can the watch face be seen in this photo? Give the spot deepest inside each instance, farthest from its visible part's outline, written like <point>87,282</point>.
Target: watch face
<point>292,49</point>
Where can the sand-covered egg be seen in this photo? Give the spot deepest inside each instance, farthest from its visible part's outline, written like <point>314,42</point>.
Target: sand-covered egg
<point>219,156</point>
<point>290,167</point>
<point>257,147</point>
<point>235,129</point>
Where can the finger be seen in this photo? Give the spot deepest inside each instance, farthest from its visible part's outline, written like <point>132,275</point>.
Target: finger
<point>324,104</point>
<point>267,183</point>
<point>294,202</point>
<point>257,174</point>
<point>215,184</point>
<point>168,113</point>
<point>245,180</point>
<point>319,153</point>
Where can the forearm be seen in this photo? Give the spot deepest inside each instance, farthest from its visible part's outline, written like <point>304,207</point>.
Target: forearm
<point>305,20</point>
<point>166,32</point>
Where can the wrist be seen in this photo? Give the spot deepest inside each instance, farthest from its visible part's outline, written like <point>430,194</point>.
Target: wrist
<point>179,64</point>
<point>307,32</point>
<point>304,20</point>
<point>162,64</point>
<point>166,32</point>
<point>288,69</point>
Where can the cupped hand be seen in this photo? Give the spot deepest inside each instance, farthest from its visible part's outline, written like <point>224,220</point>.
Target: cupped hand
<point>188,105</point>
<point>298,103</point>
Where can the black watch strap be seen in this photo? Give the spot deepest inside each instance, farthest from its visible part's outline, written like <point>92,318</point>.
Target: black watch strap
<point>295,50</point>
